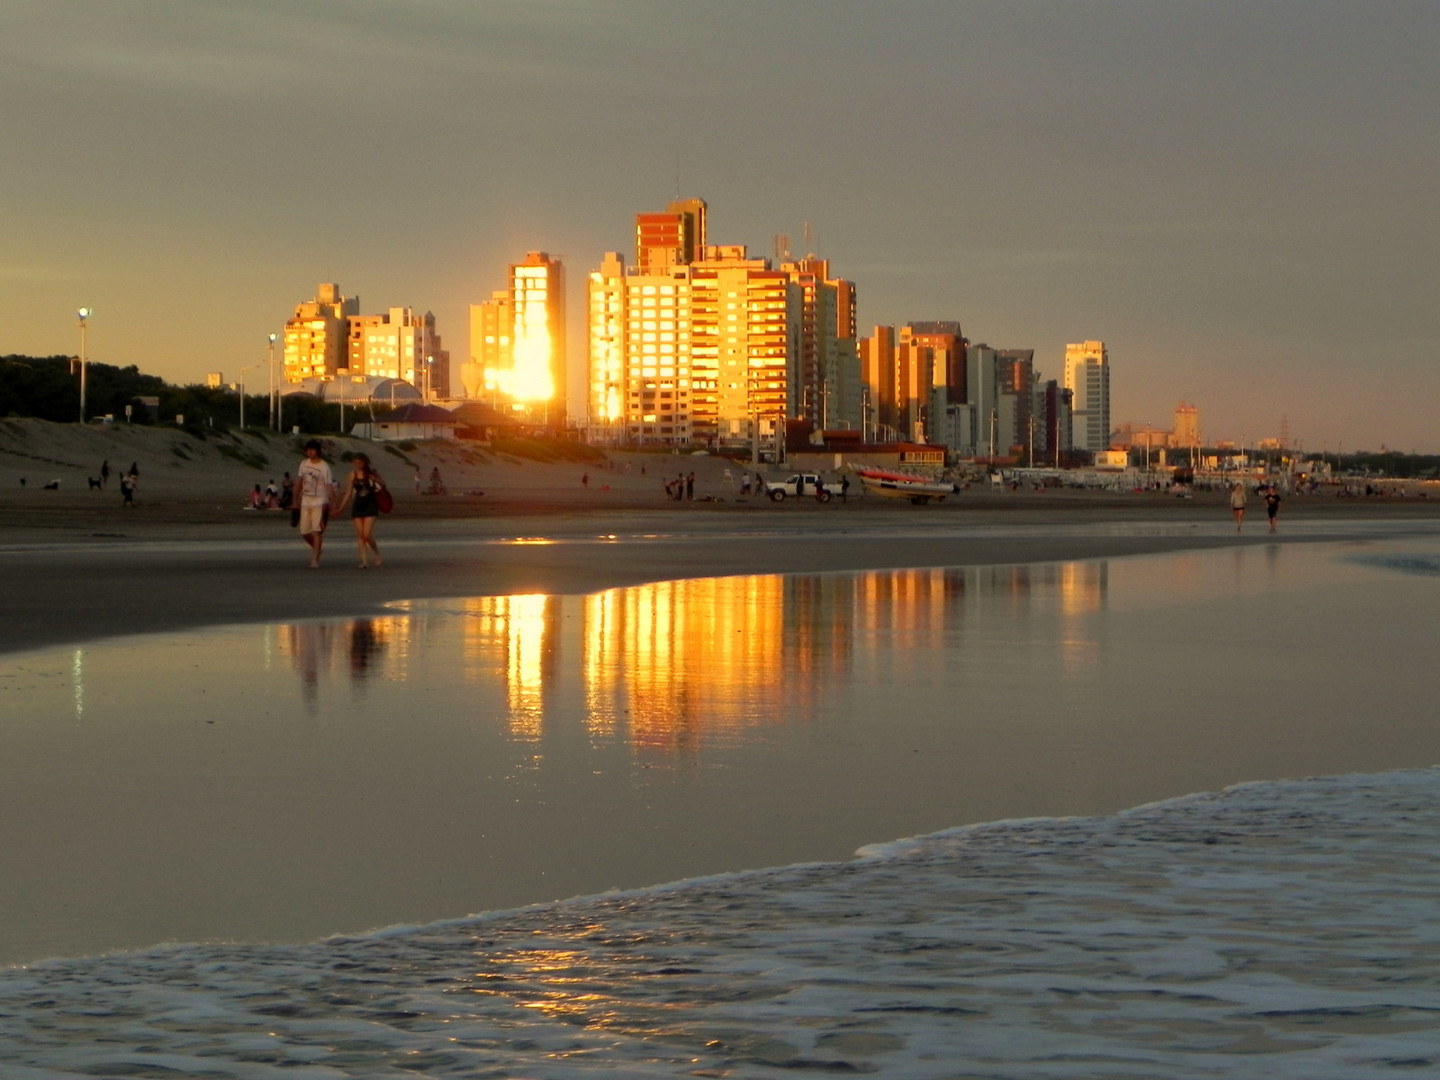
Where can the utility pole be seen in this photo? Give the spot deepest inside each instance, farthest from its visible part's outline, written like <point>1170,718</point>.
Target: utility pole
<point>84,314</point>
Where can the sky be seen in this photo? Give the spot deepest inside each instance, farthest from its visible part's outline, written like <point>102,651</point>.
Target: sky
<point>1241,200</point>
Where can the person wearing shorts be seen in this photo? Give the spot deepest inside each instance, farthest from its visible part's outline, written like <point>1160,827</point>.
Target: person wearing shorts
<point>316,485</point>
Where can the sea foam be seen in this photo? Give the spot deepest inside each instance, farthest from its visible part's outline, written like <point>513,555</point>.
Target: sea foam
<point>1286,929</point>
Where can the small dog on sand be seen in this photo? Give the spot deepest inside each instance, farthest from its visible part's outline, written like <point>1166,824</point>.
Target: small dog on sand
<point>53,485</point>
<point>95,485</point>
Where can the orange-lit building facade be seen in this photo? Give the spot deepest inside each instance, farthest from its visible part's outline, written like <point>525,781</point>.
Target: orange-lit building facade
<point>517,342</point>
<point>317,335</point>
<point>691,344</point>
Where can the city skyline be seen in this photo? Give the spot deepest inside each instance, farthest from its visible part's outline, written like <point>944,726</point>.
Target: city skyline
<point>1236,200</point>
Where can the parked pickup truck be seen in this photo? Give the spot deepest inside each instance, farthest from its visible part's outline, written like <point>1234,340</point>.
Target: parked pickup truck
<point>802,486</point>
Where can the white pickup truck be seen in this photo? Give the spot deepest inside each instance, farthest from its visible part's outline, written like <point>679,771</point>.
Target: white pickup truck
<point>803,486</point>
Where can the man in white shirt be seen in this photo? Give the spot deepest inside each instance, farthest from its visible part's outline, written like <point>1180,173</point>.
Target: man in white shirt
<point>316,487</point>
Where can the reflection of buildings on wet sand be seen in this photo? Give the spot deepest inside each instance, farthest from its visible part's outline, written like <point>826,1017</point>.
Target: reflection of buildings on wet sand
<point>674,666</point>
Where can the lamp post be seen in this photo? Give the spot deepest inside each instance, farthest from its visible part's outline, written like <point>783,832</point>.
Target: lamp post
<point>250,367</point>
<point>274,395</point>
<point>429,360</point>
<point>84,313</point>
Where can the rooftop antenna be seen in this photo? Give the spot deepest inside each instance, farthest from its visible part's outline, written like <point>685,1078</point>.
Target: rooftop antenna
<point>782,247</point>
<point>677,175</point>
<point>809,235</point>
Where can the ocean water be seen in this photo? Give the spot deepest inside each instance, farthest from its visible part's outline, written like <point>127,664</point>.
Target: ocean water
<point>1286,929</point>
<point>257,788</point>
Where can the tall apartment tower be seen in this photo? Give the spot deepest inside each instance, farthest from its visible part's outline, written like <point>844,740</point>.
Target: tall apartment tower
<point>316,335</point>
<point>1015,377</point>
<point>674,237</point>
<point>1187,426</point>
<point>694,343</point>
<point>490,360</point>
<point>823,381</point>
<point>879,374</point>
<point>537,335</point>
<point>948,342</point>
<point>641,380</point>
<point>1087,377</point>
<point>740,346</point>
<point>399,344</point>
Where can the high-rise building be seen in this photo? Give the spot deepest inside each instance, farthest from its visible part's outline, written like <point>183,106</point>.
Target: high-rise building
<point>880,377</point>
<point>316,335</point>
<point>947,341</point>
<point>641,383</point>
<point>537,339</point>
<point>740,346</point>
<point>674,237</point>
<point>1187,427</point>
<point>1015,377</point>
<point>399,344</point>
<point>695,343</point>
<point>1087,376</point>
<point>490,360</point>
<point>1052,406</point>
<point>824,377</point>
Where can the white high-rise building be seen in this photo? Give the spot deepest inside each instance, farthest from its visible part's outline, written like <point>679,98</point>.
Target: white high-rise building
<point>1087,376</point>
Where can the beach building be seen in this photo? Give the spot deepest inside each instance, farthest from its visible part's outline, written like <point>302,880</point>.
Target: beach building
<point>1087,377</point>
<point>414,421</point>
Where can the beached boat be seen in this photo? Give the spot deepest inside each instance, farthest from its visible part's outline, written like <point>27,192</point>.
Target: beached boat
<point>893,485</point>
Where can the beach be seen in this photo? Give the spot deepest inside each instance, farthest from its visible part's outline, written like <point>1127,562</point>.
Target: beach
<point>214,758</point>
<point>76,566</point>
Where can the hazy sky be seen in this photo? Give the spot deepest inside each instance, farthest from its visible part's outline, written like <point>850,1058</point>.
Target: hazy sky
<point>1241,199</point>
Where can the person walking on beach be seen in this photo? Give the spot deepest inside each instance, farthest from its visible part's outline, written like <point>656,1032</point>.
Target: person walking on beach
<point>105,472</point>
<point>1272,504</point>
<point>1237,504</point>
<point>287,492</point>
<point>128,483</point>
<point>363,491</point>
<point>317,486</point>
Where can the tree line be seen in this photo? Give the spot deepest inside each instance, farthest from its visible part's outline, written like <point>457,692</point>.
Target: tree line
<point>48,388</point>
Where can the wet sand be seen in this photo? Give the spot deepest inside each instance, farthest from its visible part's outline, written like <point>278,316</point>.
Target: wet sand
<point>78,570</point>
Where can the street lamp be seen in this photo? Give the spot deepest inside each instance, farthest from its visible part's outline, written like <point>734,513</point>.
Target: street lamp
<point>274,394</point>
<point>429,360</point>
<point>84,314</point>
<point>250,367</point>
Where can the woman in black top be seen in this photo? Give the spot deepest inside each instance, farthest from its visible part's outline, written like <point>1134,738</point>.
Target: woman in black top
<point>364,489</point>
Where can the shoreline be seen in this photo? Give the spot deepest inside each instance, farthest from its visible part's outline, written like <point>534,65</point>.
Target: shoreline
<point>65,587</point>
